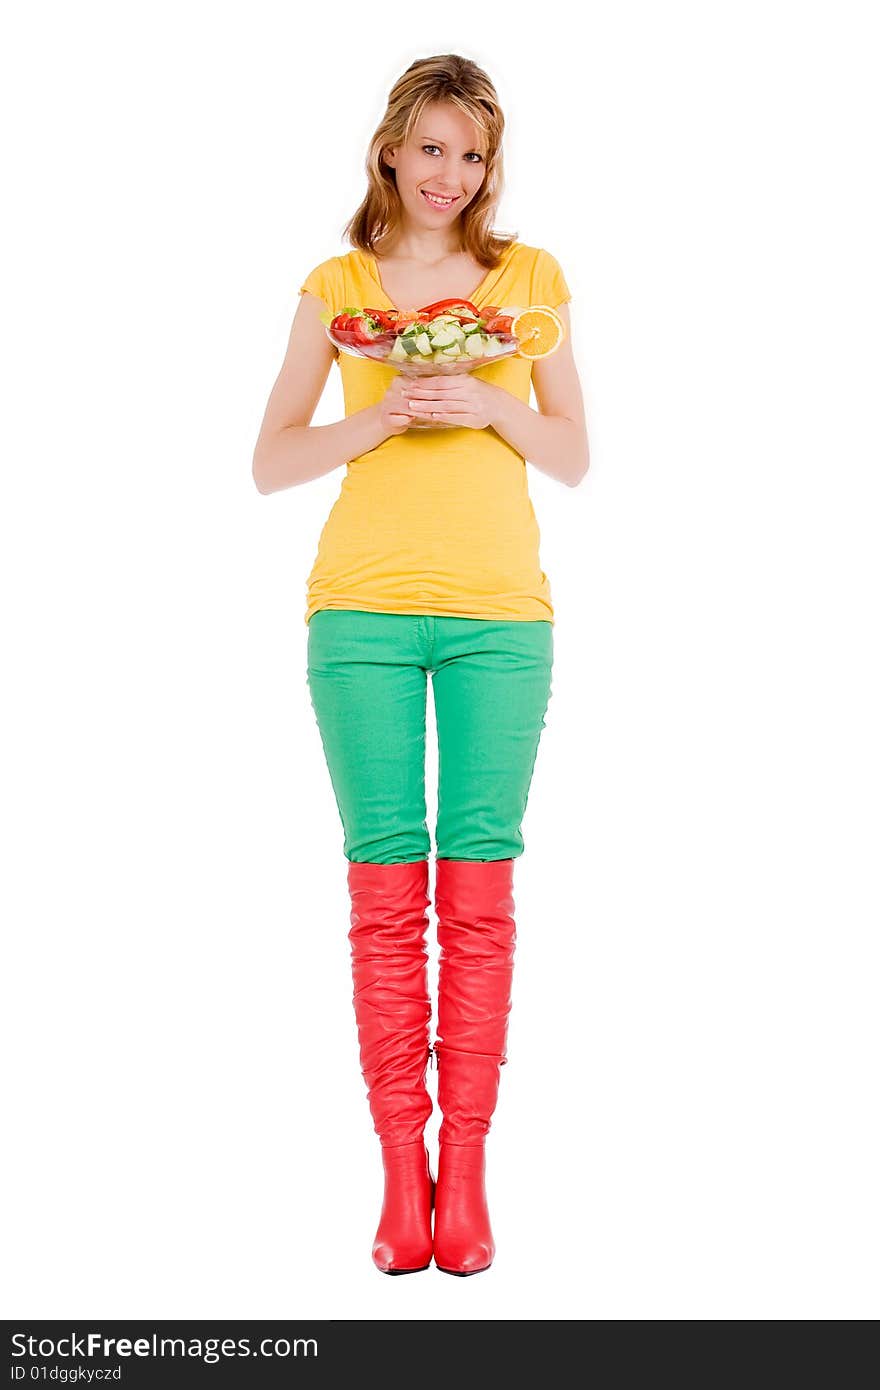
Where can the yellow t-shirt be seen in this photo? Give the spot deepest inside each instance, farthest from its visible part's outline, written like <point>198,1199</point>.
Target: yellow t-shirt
<point>434,521</point>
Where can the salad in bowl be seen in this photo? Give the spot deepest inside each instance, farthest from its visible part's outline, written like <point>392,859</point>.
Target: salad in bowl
<point>445,338</point>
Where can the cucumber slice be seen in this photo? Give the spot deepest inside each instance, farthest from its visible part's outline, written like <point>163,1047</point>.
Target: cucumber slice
<point>424,345</point>
<point>445,338</point>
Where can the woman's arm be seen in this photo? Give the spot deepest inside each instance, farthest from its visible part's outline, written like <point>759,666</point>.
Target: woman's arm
<point>289,450</point>
<point>554,437</point>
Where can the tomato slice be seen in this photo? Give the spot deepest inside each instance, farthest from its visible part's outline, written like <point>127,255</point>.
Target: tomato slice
<point>361,329</point>
<point>361,332</point>
<point>386,318</point>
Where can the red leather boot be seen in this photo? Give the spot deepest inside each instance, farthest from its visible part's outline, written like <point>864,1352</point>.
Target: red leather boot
<point>477,936</point>
<point>392,1006</point>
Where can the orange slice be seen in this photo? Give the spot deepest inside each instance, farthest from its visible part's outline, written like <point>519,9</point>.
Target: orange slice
<point>540,331</point>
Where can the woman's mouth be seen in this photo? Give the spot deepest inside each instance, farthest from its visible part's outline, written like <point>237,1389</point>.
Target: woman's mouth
<point>435,200</point>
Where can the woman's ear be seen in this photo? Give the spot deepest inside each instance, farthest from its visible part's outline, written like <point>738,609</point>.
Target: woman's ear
<point>388,156</point>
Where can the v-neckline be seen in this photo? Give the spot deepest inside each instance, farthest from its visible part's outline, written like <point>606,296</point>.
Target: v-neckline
<point>373,266</point>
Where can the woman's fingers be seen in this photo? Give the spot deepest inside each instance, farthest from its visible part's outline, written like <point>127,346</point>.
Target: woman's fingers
<point>433,384</point>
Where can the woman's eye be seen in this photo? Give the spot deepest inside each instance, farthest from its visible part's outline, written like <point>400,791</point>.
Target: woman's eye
<point>435,147</point>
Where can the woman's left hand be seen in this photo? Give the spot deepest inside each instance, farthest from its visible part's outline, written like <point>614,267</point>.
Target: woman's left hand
<point>463,399</point>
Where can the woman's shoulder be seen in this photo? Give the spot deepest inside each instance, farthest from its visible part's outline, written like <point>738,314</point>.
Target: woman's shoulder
<point>528,259</point>
<point>329,266</point>
<point>336,280</point>
<point>546,279</point>
<point>323,278</point>
<point>529,254</point>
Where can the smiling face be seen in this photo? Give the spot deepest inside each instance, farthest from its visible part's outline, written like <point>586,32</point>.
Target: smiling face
<point>445,155</point>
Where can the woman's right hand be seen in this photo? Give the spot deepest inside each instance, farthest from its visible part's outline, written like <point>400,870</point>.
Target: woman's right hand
<point>395,412</point>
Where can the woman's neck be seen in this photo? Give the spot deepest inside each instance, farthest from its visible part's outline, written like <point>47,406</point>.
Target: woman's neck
<point>425,248</point>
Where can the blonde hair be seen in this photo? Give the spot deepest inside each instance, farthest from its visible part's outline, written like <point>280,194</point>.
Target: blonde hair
<point>445,77</point>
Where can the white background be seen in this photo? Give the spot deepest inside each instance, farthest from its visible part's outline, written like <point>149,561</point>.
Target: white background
<point>688,1121</point>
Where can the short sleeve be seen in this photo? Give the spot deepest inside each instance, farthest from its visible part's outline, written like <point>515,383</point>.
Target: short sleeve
<point>326,282</point>
<point>551,286</point>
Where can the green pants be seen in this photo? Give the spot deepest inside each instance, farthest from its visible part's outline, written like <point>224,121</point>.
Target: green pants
<point>368,680</point>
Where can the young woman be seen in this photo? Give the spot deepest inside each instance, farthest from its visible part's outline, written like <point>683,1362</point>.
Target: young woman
<point>429,564</point>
